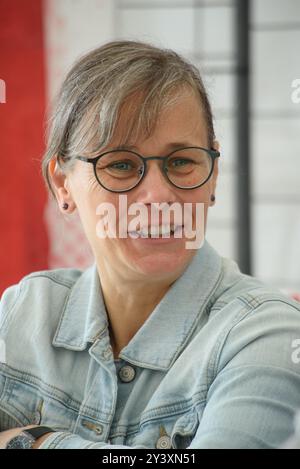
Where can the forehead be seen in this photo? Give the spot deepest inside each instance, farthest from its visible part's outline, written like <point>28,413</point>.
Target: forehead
<point>185,118</point>
<point>181,118</point>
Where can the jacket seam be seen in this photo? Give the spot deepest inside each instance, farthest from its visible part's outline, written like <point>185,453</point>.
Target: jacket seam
<point>38,384</point>
<point>269,300</point>
<point>152,414</point>
<point>65,283</point>
<point>8,314</point>
<point>214,361</point>
<point>241,315</point>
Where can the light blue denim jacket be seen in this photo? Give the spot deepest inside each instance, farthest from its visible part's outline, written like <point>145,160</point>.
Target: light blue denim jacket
<point>211,367</point>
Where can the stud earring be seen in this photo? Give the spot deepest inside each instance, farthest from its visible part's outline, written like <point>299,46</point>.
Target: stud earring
<point>212,198</point>
<point>65,206</point>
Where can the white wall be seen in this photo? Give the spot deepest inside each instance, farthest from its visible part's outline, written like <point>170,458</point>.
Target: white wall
<point>276,142</point>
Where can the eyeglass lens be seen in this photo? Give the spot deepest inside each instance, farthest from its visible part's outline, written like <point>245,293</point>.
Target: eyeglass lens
<point>185,168</point>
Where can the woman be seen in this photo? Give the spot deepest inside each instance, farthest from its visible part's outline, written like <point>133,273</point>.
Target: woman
<point>158,344</point>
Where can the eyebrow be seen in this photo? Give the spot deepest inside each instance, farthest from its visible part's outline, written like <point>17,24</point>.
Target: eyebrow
<point>169,146</point>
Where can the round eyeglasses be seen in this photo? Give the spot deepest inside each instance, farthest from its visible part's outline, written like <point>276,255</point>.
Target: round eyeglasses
<point>121,170</point>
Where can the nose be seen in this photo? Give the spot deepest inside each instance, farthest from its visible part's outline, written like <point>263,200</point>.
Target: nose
<point>155,187</point>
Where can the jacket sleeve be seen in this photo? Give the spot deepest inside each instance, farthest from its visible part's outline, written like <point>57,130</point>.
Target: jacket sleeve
<point>62,440</point>
<point>255,395</point>
<point>8,301</point>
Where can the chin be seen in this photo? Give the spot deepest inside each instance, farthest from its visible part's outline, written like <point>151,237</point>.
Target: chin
<point>162,264</point>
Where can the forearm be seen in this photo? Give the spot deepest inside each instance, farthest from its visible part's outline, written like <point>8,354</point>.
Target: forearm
<point>63,440</point>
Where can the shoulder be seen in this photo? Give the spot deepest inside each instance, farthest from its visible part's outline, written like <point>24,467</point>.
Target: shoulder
<point>253,321</point>
<point>64,277</point>
<point>40,292</point>
<point>247,291</point>
<point>244,309</point>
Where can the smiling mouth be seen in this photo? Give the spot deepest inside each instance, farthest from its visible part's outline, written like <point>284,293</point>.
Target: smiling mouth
<point>161,231</point>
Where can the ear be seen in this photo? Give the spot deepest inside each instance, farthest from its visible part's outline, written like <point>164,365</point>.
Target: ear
<point>213,186</point>
<point>216,145</point>
<point>60,185</point>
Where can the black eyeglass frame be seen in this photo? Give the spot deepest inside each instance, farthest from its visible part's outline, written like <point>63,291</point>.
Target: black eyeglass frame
<point>212,153</point>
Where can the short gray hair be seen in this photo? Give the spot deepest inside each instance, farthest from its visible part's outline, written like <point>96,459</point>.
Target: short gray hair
<point>106,79</point>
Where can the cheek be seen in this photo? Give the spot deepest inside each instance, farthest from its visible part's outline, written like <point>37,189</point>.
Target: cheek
<point>200,195</point>
<point>199,198</point>
<point>88,192</point>
<point>102,205</point>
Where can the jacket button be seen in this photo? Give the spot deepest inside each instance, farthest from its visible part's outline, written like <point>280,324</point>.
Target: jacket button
<point>127,374</point>
<point>36,418</point>
<point>164,442</point>
<point>99,429</point>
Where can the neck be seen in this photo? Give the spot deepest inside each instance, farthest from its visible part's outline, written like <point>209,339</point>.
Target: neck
<point>129,303</point>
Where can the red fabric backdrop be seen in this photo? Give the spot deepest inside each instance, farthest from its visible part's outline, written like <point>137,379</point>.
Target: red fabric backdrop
<point>23,237</point>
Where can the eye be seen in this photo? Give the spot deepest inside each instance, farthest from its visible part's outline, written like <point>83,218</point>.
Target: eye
<point>121,165</point>
<point>181,162</point>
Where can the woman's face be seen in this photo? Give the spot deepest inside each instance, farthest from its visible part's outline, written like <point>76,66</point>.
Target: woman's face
<point>142,257</point>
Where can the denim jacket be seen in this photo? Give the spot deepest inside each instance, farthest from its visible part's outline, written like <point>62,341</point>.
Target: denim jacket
<point>212,366</point>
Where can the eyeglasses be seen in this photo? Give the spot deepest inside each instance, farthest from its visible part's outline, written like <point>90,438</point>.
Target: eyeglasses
<point>121,170</point>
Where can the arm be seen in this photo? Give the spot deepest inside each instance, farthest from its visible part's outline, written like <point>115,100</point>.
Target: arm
<point>57,440</point>
<point>7,435</point>
<point>256,391</point>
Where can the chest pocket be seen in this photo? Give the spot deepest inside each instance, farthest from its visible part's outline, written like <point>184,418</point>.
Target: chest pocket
<point>8,417</point>
<point>169,432</point>
<point>184,430</point>
<point>22,403</point>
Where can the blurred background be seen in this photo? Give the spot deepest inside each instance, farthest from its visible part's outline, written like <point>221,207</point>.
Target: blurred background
<point>248,53</point>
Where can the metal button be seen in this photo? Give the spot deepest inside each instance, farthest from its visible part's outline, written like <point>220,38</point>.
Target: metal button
<point>164,442</point>
<point>37,415</point>
<point>98,429</point>
<point>127,374</point>
<point>36,418</point>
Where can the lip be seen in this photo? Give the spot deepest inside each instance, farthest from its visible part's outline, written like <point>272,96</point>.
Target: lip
<point>156,239</point>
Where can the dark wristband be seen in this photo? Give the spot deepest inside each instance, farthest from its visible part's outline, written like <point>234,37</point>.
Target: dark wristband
<point>37,432</point>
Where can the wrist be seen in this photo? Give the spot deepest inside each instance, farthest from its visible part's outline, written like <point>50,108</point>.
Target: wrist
<point>40,440</point>
<point>30,437</point>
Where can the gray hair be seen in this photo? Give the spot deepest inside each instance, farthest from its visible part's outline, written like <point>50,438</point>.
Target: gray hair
<point>106,80</point>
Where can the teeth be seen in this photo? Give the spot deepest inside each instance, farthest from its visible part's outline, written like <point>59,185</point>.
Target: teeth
<point>160,230</point>
<point>156,231</point>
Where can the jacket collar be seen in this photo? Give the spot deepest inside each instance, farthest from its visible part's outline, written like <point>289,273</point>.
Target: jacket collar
<point>164,334</point>
<point>84,315</point>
